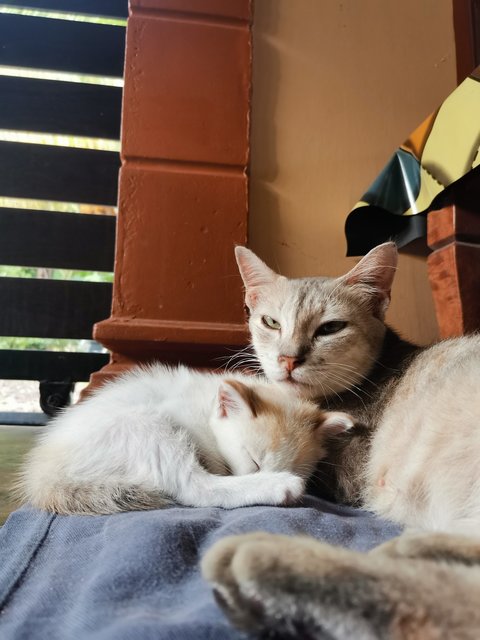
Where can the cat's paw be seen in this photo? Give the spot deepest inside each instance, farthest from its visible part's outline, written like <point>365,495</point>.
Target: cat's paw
<point>300,588</point>
<point>219,566</point>
<point>216,568</point>
<point>280,488</point>
<point>295,587</point>
<point>399,547</point>
<point>431,546</point>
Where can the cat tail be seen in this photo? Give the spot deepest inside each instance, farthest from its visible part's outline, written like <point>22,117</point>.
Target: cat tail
<point>102,499</point>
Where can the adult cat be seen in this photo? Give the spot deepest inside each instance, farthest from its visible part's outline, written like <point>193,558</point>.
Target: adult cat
<point>160,434</point>
<point>413,457</point>
<point>416,410</point>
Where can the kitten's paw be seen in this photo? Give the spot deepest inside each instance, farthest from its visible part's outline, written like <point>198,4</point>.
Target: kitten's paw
<point>281,488</point>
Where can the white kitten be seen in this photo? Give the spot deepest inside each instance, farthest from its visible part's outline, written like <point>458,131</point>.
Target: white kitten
<point>159,434</point>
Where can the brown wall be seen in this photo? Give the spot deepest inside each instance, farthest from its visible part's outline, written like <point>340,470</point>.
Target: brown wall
<point>337,86</point>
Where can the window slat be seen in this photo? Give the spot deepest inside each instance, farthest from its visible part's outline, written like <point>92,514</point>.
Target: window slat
<point>58,173</point>
<point>67,108</point>
<point>57,240</point>
<point>112,8</point>
<point>78,47</point>
<point>52,308</point>
<point>49,365</point>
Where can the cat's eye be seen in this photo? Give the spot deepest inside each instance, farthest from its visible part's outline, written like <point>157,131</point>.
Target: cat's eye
<point>270,323</point>
<point>327,328</point>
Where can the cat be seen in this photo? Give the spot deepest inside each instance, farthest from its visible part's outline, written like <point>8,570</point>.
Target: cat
<point>326,338</point>
<point>412,457</point>
<point>161,434</point>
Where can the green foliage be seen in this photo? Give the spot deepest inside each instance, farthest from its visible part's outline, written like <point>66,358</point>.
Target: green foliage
<point>44,344</point>
<point>18,272</point>
<point>8,271</point>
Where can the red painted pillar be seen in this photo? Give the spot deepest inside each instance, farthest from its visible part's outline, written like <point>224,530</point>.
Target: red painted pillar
<point>183,184</point>
<point>454,269</point>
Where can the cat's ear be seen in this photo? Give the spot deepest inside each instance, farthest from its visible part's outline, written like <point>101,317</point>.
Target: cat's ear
<point>333,422</point>
<point>236,399</point>
<point>255,274</point>
<point>375,272</point>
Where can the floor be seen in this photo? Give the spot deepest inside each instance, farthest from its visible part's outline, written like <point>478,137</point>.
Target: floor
<point>14,443</point>
<point>17,396</point>
<point>21,396</point>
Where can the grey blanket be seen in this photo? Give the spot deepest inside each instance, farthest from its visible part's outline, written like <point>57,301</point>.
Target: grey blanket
<point>135,575</point>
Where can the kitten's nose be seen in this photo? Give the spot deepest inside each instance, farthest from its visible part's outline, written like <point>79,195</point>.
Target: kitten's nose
<point>291,362</point>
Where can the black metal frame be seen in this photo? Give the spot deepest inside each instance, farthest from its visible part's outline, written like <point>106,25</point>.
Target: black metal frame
<point>57,308</point>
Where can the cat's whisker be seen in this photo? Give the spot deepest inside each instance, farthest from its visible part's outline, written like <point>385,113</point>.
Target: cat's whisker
<point>307,469</point>
<point>233,361</point>
<point>237,354</point>
<point>347,385</point>
<point>343,365</point>
<point>354,370</point>
<point>350,387</point>
<point>321,477</point>
<point>384,366</point>
<point>330,390</point>
<point>242,354</point>
<point>242,360</point>
<point>329,464</point>
<point>243,364</point>
<point>325,395</point>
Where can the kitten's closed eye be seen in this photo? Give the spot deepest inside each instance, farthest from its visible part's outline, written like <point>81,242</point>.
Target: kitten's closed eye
<point>327,328</point>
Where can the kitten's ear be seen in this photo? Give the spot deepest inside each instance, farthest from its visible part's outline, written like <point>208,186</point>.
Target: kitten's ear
<point>236,399</point>
<point>255,273</point>
<point>375,272</point>
<point>333,422</point>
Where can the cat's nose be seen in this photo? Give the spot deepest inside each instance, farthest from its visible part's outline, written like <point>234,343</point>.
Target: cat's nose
<point>291,362</point>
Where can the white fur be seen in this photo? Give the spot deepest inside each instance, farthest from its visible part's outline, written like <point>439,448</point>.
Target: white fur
<point>159,433</point>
